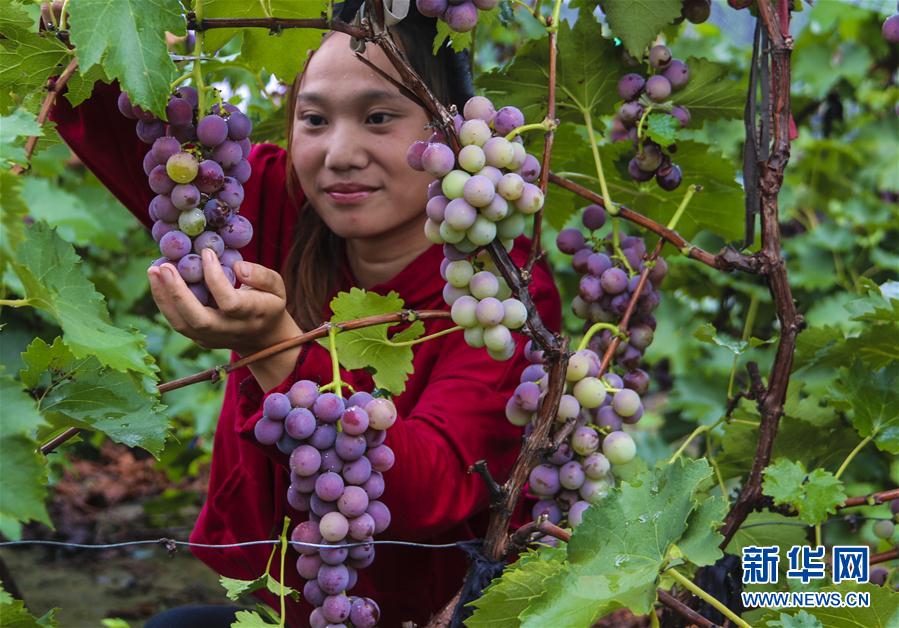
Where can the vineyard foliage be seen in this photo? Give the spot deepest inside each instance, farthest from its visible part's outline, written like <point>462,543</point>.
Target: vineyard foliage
<point>83,344</point>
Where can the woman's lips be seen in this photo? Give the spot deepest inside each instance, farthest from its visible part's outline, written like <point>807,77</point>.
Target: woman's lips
<point>349,198</point>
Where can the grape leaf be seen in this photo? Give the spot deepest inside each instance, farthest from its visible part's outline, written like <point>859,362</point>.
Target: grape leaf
<point>814,495</point>
<point>282,53</point>
<point>19,124</point>
<point>882,613</point>
<point>370,347</point>
<point>16,615</point>
<point>81,84</point>
<point>458,41</point>
<point>699,543</point>
<point>27,58</point>
<point>48,201</point>
<point>24,470</point>
<point>799,620</point>
<point>661,128</point>
<point>711,92</point>
<point>54,282</point>
<point>588,70</point>
<point>509,595</point>
<point>637,22</point>
<point>616,553</point>
<point>128,38</point>
<point>83,393</point>
<point>873,398</point>
<point>249,619</point>
<point>12,215</point>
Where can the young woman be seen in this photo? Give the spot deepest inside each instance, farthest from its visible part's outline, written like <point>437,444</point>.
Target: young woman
<point>339,208</point>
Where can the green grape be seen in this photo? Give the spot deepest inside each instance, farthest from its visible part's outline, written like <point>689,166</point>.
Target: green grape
<point>590,392</point>
<point>482,232</point>
<point>182,167</point>
<point>192,222</point>
<point>453,184</point>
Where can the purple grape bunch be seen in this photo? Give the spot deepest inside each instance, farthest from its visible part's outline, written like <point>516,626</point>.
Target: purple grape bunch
<point>337,463</point>
<point>639,94</point>
<point>460,15</point>
<point>197,167</point>
<point>579,472</point>
<point>484,193</point>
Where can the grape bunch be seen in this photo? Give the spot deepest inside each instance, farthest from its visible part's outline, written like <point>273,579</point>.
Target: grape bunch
<point>578,473</point>
<point>460,15</point>
<point>337,461</point>
<point>197,167</point>
<point>482,194</point>
<point>643,96</point>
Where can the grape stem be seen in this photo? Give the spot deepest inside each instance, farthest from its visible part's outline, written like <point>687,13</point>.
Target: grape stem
<point>853,454</point>
<point>197,70</point>
<point>697,591</point>
<point>181,79</point>
<point>335,364</point>
<point>281,595</point>
<point>15,302</point>
<point>409,343</point>
<point>535,12</point>
<point>678,214</point>
<point>599,327</point>
<point>640,126</point>
<point>545,126</point>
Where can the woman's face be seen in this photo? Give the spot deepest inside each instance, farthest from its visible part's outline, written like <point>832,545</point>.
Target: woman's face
<point>351,131</point>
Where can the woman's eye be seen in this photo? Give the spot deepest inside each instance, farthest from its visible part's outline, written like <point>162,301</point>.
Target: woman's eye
<point>313,119</point>
<point>380,117</point>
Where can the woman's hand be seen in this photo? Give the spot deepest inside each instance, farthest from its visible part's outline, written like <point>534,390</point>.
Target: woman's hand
<point>248,319</point>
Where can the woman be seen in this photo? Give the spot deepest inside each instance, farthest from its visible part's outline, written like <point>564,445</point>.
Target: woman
<point>339,208</point>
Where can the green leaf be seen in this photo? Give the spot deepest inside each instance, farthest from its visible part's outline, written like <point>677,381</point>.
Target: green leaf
<point>509,595</point>
<point>14,614</point>
<point>699,543</point>
<point>637,22</point>
<point>128,38</point>
<point>47,201</point>
<point>282,53</point>
<point>12,215</point>
<point>81,84</point>
<point>19,124</point>
<point>882,613</point>
<point>83,393</point>
<point>814,495</point>
<point>54,282</point>
<point>616,553</point>
<point>27,59</point>
<point>799,620</point>
<point>235,588</point>
<point>370,347</point>
<point>588,71</point>
<point>249,619</point>
<point>873,398</point>
<point>662,128</point>
<point>458,41</point>
<point>708,334</point>
<point>711,93</point>
<point>23,469</point>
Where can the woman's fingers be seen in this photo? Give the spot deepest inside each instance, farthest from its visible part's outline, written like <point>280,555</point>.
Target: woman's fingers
<point>222,291</point>
<point>261,278</point>
<point>159,288</point>
<point>196,318</point>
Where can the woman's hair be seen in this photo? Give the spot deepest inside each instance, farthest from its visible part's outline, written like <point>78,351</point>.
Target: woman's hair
<point>313,265</point>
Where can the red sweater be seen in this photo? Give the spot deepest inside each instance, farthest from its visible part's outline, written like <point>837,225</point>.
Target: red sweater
<point>451,413</point>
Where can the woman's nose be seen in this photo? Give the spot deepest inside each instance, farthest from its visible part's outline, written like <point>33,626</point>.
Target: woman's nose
<point>346,148</point>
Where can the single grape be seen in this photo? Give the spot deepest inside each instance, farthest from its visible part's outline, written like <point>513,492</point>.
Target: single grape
<point>630,86</point>
<point>696,11</point>
<point>548,508</point>
<point>185,133</point>
<point>438,159</point>
<point>658,88</point>
<point>472,158</point>
<point>482,232</point>
<point>381,413</point>
<point>637,173</point>
<point>174,245</point>
<point>267,432</point>
<point>160,228</point>
<point>594,491</point>
<point>626,402</point>
<point>511,186</point>
<point>497,338</point>
<point>669,177</point>
<point>678,74</point>
<point>149,162</point>
<point>890,29</point>
<point>185,196</point>
<point>474,131</point>
<point>181,168</point>
<point>431,8</point>
<point>544,480</point>
<point>594,217</point>
<point>498,152</point>
<point>515,314</point>
<point>590,288</point>
<point>228,154</point>
<point>576,513</point>
<point>192,222</point>
<point>496,210</point>
<point>125,107</point>
<point>659,57</point>
<point>239,126</point>
<point>478,191</point>
<point>570,241</point>
<point>619,448</point>
<point>163,148</point>
<point>584,441</point>
<point>682,114</point>
<point>478,107</point>
<point>614,281</point>
<point>483,284</point>
<point>510,227</point>
<point>531,199</point>
<point>578,367</point>
<point>884,529</point>
<point>305,460</point>
<point>364,613</point>
<point>380,513</point>
<point>237,232</point>
<point>353,502</point>
<point>231,193</point>
<point>596,466</point>
<point>179,111</point>
<point>148,131</point>
<point>159,180</point>
<point>190,267</point>
<point>507,119</point>
<point>453,184</point>
<point>571,475</point>
<point>590,392</point>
